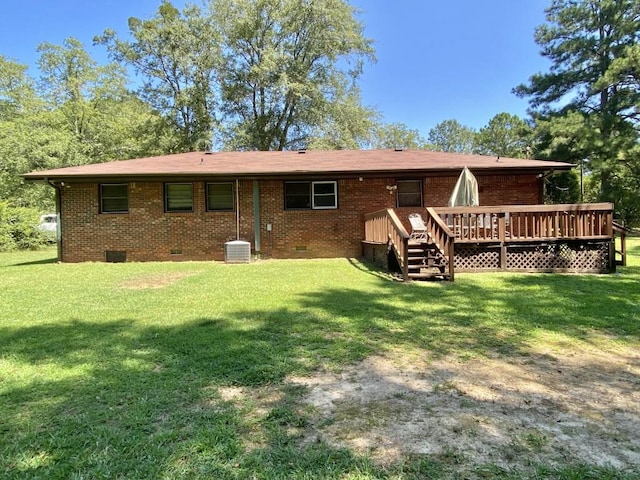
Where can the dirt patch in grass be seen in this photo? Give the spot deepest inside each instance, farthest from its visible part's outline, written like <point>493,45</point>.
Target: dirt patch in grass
<point>158,280</point>
<point>557,407</point>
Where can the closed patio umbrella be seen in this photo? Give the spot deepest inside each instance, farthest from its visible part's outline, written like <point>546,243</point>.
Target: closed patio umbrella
<point>465,193</point>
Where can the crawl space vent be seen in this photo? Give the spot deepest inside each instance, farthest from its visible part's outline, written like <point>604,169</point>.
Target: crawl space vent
<point>237,251</point>
<point>115,256</point>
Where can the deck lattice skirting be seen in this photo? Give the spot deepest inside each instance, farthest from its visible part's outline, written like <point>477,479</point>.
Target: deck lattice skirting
<point>573,256</point>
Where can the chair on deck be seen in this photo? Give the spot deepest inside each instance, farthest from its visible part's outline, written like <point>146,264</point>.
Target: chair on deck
<point>418,228</point>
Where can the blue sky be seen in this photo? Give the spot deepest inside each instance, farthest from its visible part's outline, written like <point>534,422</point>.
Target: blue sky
<point>437,60</point>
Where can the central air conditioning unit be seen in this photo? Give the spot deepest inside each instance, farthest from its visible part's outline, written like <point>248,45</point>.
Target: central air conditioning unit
<point>237,251</point>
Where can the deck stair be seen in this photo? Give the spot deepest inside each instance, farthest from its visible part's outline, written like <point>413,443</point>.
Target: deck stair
<point>425,261</point>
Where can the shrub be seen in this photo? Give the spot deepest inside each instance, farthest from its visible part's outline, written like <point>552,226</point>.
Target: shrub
<point>19,228</point>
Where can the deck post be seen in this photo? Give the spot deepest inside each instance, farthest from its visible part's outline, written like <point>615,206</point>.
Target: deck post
<point>503,256</point>
<point>452,260</point>
<point>612,255</point>
<point>405,261</point>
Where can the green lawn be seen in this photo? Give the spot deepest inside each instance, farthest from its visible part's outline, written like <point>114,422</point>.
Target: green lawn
<point>116,370</point>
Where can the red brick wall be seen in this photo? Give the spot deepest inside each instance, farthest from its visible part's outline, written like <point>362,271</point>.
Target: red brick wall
<point>320,233</point>
<point>147,233</point>
<point>493,190</point>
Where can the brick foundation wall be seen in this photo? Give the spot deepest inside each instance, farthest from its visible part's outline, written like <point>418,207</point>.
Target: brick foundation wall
<point>147,233</point>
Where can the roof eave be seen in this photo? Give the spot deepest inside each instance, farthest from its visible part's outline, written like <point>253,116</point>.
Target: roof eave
<point>161,176</point>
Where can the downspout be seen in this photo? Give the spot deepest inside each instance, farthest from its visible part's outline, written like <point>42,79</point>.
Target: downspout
<point>256,214</point>
<point>58,216</point>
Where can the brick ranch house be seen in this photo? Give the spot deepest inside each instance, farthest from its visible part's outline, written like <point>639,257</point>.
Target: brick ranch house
<point>291,204</point>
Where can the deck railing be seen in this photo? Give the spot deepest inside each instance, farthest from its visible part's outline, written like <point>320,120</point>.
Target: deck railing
<point>517,223</point>
<point>384,226</point>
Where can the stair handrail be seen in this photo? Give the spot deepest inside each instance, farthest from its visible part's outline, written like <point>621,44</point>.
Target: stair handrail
<point>442,237</point>
<point>622,231</point>
<point>384,226</point>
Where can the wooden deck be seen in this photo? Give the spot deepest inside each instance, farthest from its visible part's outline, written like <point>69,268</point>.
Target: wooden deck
<point>532,238</point>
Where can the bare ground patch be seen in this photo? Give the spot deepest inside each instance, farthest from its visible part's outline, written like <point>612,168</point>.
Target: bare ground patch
<point>158,280</point>
<point>559,407</point>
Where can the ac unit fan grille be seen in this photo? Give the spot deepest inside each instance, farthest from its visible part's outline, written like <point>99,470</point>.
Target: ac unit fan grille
<point>237,251</point>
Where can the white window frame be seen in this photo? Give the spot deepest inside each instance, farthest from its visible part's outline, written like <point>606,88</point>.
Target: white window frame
<point>324,195</point>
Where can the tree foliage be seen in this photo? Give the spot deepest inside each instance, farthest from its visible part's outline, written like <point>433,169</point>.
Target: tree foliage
<point>177,56</point>
<point>19,228</point>
<point>587,104</point>
<point>77,113</point>
<point>348,124</point>
<point>505,135</point>
<point>17,90</point>
<point>287,66</point>
<point>264,74</point>
<point>397,135</point>
<point>451,136</point>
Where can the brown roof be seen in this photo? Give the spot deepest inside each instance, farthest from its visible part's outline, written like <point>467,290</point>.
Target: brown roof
<point>292,163</point>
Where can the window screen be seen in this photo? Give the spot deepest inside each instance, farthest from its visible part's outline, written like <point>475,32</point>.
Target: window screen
<point>409,193</point>
<point>220,196</point>
<point>297,195</point>
<point>114,198</point>
<point>178,197</point>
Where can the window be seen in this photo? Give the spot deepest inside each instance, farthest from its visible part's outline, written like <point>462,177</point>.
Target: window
<point>409,193</point>
<point>324,195</point>
<point>297,195</point>
<point>114,198</point>
<point>178,197</point>
<point>314,195</point>
<point>219,197</point>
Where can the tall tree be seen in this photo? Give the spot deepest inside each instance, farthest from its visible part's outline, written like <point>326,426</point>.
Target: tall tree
<point>347,124</point>
<point>252,74</point>
<point>24,131</point>
<point>451,136</point>
<point>92,103</point>
<point>17,90</point>
<point>177,54</point>
<point>286,63</point>
<point>397,135</point>
<point>81,113</point>
<point>505,135</point>
<point>588,102</point>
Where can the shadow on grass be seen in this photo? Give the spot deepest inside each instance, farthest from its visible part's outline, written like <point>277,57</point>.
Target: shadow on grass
<point>119,399</point>
<point>147,403</point>
<point>44,261</point>
<point>26,258</point>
